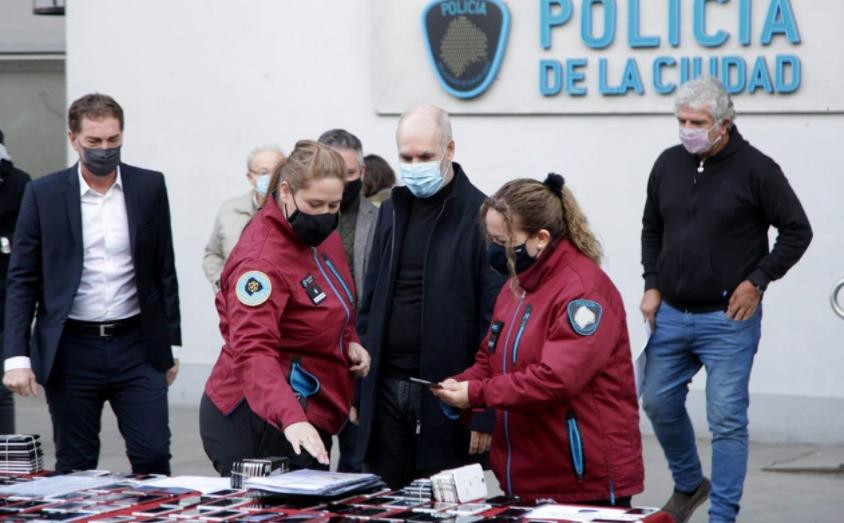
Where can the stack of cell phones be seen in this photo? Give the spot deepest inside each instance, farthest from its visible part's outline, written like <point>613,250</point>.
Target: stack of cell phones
<point>253,468</point>
<point>21,454</point>
<point>460,485</point>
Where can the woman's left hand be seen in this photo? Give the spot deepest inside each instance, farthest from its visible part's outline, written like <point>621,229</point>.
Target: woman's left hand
<point>360,360</point>
<point>454,393</point>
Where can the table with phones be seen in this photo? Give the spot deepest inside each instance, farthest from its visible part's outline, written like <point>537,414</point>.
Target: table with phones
<point>119,499</point>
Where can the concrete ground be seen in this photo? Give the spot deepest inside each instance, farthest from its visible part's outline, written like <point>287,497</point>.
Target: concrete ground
<point>768,496</point>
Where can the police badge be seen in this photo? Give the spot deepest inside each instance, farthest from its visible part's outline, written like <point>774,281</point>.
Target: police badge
<point>466,41</point>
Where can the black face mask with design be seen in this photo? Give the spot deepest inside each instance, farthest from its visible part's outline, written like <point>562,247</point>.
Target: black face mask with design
<point>101,162</point>
<point>312,229</point>
<point>496,256</point>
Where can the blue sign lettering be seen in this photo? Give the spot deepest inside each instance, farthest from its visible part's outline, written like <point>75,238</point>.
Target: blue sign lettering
<point>463,7</point>
<point>586,26</point>
<point>704,38</point>
<point>574,76</point>
<point>780,20</point>
<point>549,17</point>
<point>633,37</point>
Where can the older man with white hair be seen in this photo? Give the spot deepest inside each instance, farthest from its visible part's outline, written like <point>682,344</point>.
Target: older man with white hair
<point>236,213</point>
<point>428,297</point>
<point>710,203</point>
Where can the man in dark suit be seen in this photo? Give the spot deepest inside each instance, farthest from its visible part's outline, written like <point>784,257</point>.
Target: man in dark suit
<point>94,256</point>
<point>426,306</point>
<point>12,183</point>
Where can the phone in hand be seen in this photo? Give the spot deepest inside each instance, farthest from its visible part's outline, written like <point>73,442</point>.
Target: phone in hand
<point>429,384</point>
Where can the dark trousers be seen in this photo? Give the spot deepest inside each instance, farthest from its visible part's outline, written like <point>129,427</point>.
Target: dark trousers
<point>244,435</point>
<point>7,403</point>
<point>349,459</point>
<point>90,370</point>
<point>395,433</point>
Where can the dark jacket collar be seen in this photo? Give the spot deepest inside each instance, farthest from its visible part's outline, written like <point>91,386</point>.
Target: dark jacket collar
<point>459,187</point>
<point>736,143</point>
<point>556,256</point>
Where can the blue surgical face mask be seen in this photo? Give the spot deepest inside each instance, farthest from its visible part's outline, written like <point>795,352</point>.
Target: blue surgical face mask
<point>423,179</point>
<point>262,184</point>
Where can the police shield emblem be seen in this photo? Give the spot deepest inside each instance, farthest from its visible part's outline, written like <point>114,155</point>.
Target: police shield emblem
<point>466,41</point>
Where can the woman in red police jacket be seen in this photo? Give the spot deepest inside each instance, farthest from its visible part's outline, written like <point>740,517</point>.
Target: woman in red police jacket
<point>556,361</point>
<point>284,379</point>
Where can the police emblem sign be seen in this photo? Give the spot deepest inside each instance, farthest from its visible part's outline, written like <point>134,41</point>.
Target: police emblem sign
<point>466,40</point>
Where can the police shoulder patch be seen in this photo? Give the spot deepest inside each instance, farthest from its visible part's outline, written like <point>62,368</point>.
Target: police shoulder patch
<point>253,288</point>
<point>584,316</point>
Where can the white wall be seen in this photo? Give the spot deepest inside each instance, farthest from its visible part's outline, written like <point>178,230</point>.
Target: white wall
<point>202,82</point>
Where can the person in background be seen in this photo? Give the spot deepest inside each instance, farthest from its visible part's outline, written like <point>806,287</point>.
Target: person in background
<point>234,214</point>
<point>710,203</point>
<point>556,361</point>
<point>379,180</point>
<point>357,227</point>
<point>93,262</point>
<point>427,300</point>
<point>12,183</point>
<point>283,382</point>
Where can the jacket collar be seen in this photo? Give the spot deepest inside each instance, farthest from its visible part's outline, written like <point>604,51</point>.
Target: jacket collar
<point>735,143</point>
<point>273,214</point>
<point>402,197</point>
<point>558,255</point>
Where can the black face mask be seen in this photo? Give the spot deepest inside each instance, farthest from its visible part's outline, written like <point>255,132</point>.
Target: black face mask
<point>351,193</point>
<point>496,256</point>
<point>313,229</point>
<point>101,162</point>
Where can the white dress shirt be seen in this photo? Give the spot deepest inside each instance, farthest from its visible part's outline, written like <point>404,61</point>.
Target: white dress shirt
<point>107,289</point>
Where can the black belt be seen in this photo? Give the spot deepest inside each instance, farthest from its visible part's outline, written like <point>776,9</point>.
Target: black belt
<point>696,309</point>
<point>103,329</point>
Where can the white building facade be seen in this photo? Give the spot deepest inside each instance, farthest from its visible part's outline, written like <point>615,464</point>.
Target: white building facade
<point>202,82</point>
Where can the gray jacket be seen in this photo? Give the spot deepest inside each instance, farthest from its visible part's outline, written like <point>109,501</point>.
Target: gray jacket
<point>364,232</point>
<point>232,218</point>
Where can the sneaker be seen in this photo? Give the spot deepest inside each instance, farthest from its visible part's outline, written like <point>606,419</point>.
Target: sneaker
<point>681,506</point>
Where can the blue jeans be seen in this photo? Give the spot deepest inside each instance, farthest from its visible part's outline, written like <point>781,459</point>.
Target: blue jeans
<point>680,345</point>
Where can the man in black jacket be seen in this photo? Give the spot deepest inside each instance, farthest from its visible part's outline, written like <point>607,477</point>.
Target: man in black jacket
<point>93,254</point>
<point>710,203</point>
<point>427,301</point>
<point>12,183</point>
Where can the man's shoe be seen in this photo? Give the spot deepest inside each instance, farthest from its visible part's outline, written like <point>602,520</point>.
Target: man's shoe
<point>681,506</point>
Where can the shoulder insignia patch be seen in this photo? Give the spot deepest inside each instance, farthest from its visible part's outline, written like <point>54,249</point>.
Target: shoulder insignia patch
<point>584,316</point>
<point>253,288</point>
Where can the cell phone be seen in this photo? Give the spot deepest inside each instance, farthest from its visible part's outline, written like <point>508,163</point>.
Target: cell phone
<point>500,501</point>
<point>224,492</point>
<point>61,516</point>
<point>258,518</point>
<point>365,512</point>
<point>513,512</point>
<point>222,515</point>
<point>155,511</point>
<point>470,509</point>
<point>405,503</point>
<point>429,384</point>
<point>219,503</point>
<point>378,500</point>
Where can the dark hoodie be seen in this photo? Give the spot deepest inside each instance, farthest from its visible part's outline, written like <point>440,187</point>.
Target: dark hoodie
<point>705,232</point>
